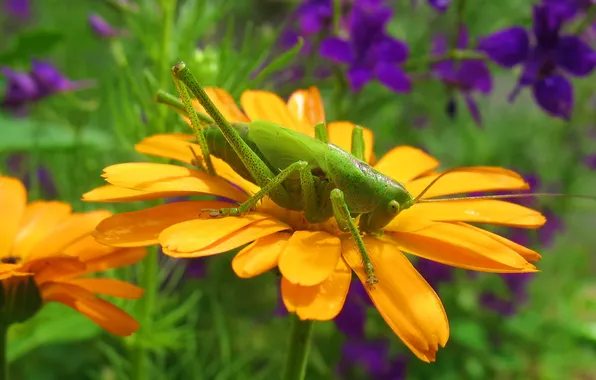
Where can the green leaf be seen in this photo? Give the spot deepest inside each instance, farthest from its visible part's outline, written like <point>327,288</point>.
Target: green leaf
<point>279,63</point>
<point>469,334</point>
<point>31,44</point>
<point>27,134</point>
<point>54,323</point>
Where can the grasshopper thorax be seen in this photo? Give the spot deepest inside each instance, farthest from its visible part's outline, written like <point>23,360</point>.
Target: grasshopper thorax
<point>395,199</point>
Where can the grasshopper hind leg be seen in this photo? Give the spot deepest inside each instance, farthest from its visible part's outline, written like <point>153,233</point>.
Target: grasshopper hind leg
<point>346,223</point>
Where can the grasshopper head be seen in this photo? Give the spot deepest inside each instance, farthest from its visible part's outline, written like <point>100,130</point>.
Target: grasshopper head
<point>395,199</point>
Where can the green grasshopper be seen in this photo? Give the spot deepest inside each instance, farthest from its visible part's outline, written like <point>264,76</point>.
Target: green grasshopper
<point>301,173</point>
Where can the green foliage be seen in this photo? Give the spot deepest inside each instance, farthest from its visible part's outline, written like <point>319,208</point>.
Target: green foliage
<point>222,327</point>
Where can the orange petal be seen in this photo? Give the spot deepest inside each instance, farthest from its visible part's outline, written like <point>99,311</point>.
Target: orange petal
<point>74,227</point>
<point>237,239</point>
<point>142,228</point>
<point>260,256</point>
<point>181,149</point>
<point>106,315</point>
<point>168,145</point>
<point>455,245</point>
<point>108,287</point>
<point>526,253</point>
<point>340,134</point>
<point>160,178</point>
<point>321,302</point>
<point>478,211</point>
<point>197,234</point>
<point>309,257</point>
<point>224,102</point>
<point>116,259</point>
<point>87,248</point>
<point>111,193</point>
<point>405,163</point>
<point>267,106</point>
<point>39,220</point>
<point>225,171</point>
<point>476,179</point>
<point>307,106</point>
<point>403,297</point>
<point>52,268</point>
<point>13,199</point>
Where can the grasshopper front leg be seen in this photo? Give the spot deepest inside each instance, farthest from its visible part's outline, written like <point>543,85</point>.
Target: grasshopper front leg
<point>255,166</point>
<point>346,224</point>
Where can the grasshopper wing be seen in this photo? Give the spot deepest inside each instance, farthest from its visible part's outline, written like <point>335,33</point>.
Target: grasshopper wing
<point>282,146</point>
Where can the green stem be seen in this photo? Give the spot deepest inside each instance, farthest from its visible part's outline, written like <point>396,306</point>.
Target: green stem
<point>168,8</point>
<point>3,350</point>
<point>150,282</point>
<point>455,54</point>
<point>297,357</point>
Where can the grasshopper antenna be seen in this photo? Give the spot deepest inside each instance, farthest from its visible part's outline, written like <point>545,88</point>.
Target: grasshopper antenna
<point>507,196</point>
<point>487,169</point>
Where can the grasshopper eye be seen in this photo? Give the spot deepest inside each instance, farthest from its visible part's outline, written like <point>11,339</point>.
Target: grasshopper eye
<point>393,207</point>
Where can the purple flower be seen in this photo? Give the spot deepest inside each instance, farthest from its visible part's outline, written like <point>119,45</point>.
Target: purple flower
<point>434,273</point>
<point>351,320</point>
<point>101,27</point>
<point>19,166</point>
<point>18,8</point>
<point>517,284</point>
<point>439,5</point>
<point>543,62</point>
<point>280,310</point>
<point>568,9</point>
<point>370,52</point>
<point>373,358</point>
<point>467,76</point>
<point>314,16</point>
<point>42,81</point>
<point>20,90</point>
<point>554,225</point>
<point>51,81</point>
<point>590,161</point>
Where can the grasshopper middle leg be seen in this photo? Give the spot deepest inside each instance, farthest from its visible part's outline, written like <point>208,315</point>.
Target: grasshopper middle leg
<point>346,223</point>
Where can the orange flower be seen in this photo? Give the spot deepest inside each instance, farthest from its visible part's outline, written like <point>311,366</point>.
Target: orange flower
<point>317,260</point>
<point>48,242</point>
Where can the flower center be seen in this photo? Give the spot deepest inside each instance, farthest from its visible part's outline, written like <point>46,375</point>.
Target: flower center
<point>10,260</point>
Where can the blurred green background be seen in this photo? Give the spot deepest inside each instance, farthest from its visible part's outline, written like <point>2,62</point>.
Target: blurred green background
<point>220,327</point>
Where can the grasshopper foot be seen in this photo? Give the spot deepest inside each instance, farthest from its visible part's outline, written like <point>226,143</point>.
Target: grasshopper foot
<point>370,272</point>
<point>216,213</point>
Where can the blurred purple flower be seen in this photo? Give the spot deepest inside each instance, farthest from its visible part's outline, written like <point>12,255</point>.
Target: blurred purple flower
<point>543,62</point>
<point>18,8</point>
<point>434,273</point>
<point>280,310</point>
<point>590,161</point>
<point>553,226</point>
<point>568,9</point>
<point>351,320</point>
<point>42,81</point>
<point>19,166</point>
<point>439,5</point>
<point>314,16</point>
<point>373,358</point>
<point>196,267</point>
<point>467,76</point>
<point>370,52</point>
<point>20,90</point>
<point>517,285</point>
<point>101,27</point>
